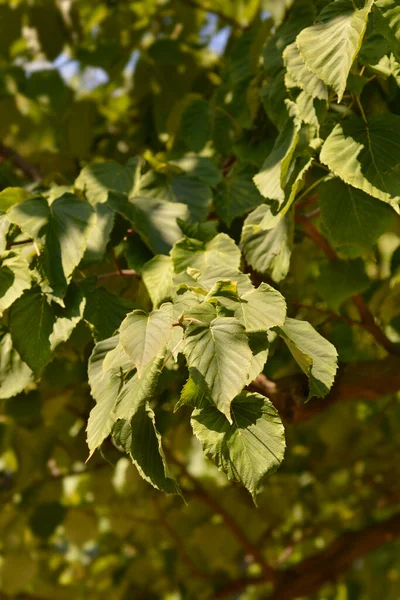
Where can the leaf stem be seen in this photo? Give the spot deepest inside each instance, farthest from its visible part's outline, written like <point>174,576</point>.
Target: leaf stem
<point>307,191</point>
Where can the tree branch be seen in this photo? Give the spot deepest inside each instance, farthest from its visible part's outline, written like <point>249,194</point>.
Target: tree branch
<point>29,170</point>
<point>202,494</point>
<point>367,318</point>
<point>313,572</point>
<point>366,380</point>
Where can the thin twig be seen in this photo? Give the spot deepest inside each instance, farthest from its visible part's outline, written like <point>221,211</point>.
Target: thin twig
<point>178,542</point>
<point>11,244</point>
<point>307,191</point>
<point>202,494</point>
<point>120,273</point>
<point>29,170</point>
<point>316,236</point>
<point>367,318</point>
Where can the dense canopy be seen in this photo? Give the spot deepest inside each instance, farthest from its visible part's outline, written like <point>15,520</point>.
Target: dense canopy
<point>199,299</point>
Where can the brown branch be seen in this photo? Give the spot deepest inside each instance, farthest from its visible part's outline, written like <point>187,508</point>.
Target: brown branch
<point>312,573</point>
<point>120,273</point>
<point>186,558</point>
<point>366,380</point>
<point>367,318</point>
<point>202,494</point>
<point>316,236</point>
<point>23,165</point>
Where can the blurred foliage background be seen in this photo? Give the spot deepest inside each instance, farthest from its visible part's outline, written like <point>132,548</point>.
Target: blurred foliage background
<point>88,79</point>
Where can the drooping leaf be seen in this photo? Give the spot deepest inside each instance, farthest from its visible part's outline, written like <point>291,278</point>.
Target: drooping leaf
<point>67,317</point>
<point>193,394</point>
<point>99,237</point>
<point>194,193</point>
<point>15,277</point>
<point>105,383</point>
<point>299,75</point>
<point>15,375</point>
<point>250,448</point>
<point>351,219</point>
<point>144,336</point>
<point>62,229</point>
<point>273,177</point>
<point>314,354</point>
<point>104,311</point>
<point>367,155</point>
<point>330,47</point>
<point>236,197</point>
<point>157,275</point>
<point>31,325</point>
<point>259,346</point>
<point>267,242</point>
<point>142,442</point>
<point>220,352</point>
<point>387,14</point>
<point>138,390</point>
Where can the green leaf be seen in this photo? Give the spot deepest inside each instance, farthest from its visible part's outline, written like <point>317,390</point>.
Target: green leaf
<point>31,325</point>
<point>261,309</point>
<point>251,448</point>
<point>330,47</point>
<point>105,381</point>
<point>350,219</point>
<point>144,336</point>
<point>267,242</point>
<point>195,124</point>
<point>367,155</point>
<point>193,394</point>
<point>220,353</point>
<point>158,275</point>
<point>314,354</point>
<point>273,177</point>
<point>15,375</point>
<point>387,14</point>
<point>202,167</point>
<point>103,223</point>
<point>67,317</point>
<point>137,390</point>
<point>98,179</point>
<point>154,220</point>
<point>259,345</point>
<point>15,277</point>
<point>236,197</point>
<point>104,311</point>
<point>193,192</point>
<point>62,229</point>
<point>10,196</point>
<point>142,441</point>
<point>258,310</point>
<point>341,279</point>
<point>221,250</point>
<point>299,75</point>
